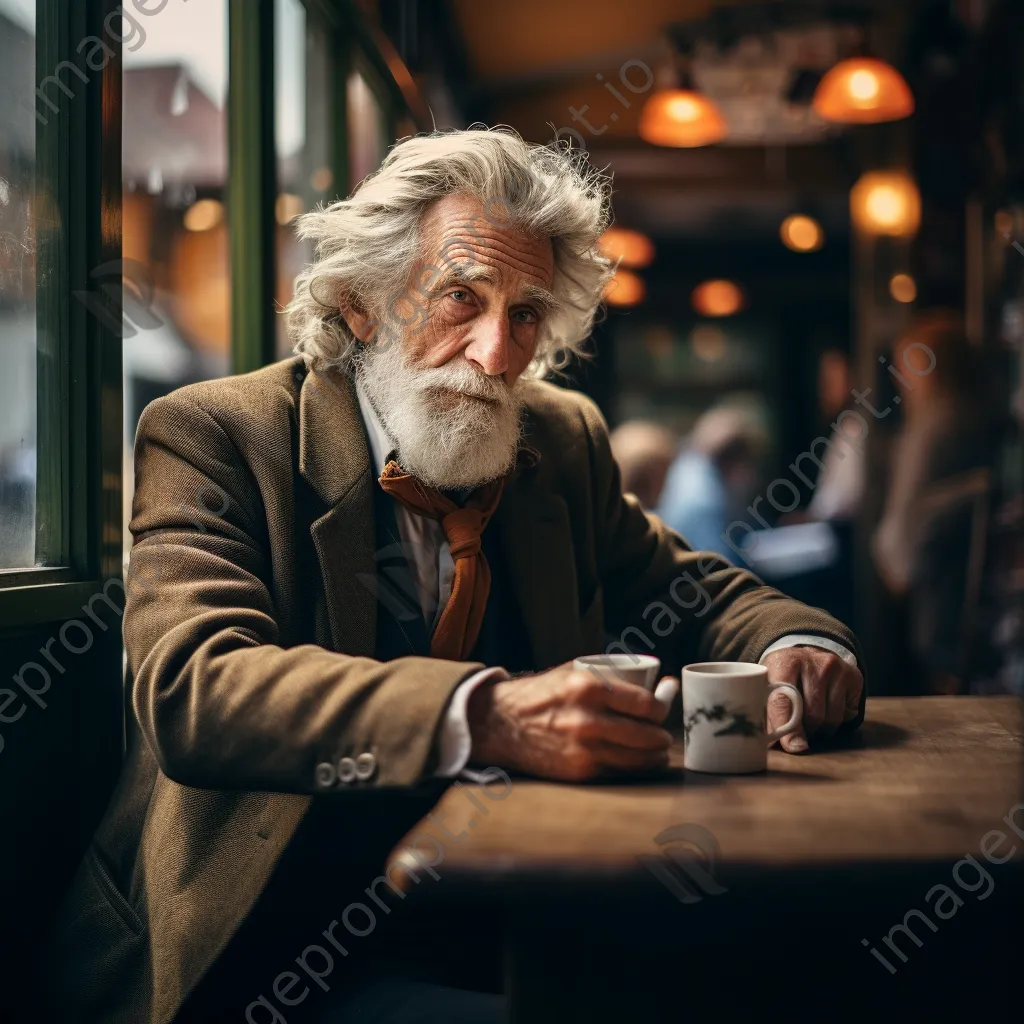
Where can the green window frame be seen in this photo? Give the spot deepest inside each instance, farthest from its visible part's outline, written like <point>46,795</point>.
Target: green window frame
<point>78,491</point>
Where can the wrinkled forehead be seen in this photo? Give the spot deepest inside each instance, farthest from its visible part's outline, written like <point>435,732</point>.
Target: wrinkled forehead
<point>461,231</point>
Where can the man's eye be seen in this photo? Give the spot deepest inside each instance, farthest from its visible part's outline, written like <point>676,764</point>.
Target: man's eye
<point>524,316</point>
<point>459,294</point>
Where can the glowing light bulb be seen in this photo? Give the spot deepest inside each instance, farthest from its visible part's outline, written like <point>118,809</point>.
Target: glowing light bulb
<point>684,109</point>
<point>885,205</point>
<point>863,85</point>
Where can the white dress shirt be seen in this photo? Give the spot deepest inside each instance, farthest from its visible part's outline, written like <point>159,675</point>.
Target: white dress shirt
<point>430,559</point>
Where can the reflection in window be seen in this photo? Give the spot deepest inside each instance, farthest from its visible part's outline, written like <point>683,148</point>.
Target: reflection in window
<point>18,203</point>
<point>176,287</point>
<point>304,138</point>
<point>366,128</point>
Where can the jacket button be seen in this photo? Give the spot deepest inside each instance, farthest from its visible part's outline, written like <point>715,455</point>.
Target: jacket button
<point>366,765</point>
<point>326,776</point>
<point>346,770</point>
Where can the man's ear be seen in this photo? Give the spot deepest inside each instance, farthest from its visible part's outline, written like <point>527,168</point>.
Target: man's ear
<point>360,323</point>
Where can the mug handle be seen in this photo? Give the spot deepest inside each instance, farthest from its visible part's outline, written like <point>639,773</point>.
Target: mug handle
<point>798,711</point>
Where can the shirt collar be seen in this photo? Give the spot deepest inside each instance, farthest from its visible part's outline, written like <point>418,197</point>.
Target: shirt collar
<point>381,446</point>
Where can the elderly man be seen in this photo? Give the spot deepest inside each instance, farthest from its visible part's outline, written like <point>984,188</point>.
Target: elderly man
<point>368,568</point>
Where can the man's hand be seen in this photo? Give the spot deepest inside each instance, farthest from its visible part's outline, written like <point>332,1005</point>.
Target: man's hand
<point>831,690</point>
<point>567,725</point>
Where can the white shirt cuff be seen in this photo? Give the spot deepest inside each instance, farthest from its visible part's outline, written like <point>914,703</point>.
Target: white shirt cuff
<point>456,741</point>
<point>808,640</point>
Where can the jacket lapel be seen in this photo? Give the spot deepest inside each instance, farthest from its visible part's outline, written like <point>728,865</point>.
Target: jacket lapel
<point>335,461</point>
<point>537,540</point>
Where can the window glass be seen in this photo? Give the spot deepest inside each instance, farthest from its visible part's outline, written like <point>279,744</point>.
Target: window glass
<point>366,128</point>
<point>304,138</point>
<point>176,260</point>
<point>20,204</point>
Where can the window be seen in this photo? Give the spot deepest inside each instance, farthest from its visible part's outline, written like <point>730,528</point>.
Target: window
<point>367,130</point>
<point>22,207</point>
<point>304,135</point>
<point>176,266</point>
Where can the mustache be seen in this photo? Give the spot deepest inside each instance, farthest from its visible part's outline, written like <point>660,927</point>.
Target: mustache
<point>466,381</point>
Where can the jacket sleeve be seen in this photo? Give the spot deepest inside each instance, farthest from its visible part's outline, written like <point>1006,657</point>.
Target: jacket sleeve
<point>222,704</point>
<point>663,598</point>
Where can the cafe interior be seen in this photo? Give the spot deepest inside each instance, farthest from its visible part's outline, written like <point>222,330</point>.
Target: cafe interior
<point>809,359</point>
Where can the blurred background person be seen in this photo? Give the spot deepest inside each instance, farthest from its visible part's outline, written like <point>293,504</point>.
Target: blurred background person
<point>816,563</point>
<point>644,452</point>
<point>929,545</point>
<point>840,485</point>
<point>714,477</point>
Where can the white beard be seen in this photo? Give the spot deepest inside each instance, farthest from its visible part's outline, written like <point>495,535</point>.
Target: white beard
<point>444,437</point>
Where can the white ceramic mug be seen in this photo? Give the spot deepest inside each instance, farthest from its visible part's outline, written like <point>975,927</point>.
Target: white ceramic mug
<point>641,669</point>
<point>725,710</point>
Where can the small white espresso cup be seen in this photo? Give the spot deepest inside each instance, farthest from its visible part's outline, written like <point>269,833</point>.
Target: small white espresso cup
<point>641,669</point>
<point>725,709</point>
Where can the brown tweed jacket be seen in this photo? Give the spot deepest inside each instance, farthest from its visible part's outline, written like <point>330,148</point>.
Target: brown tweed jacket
<point>250,638</point>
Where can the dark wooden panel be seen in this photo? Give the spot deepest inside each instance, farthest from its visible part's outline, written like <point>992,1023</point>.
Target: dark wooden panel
<point>59,761</point>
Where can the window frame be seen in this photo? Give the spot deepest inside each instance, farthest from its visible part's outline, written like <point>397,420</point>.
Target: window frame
<point>79,407</point>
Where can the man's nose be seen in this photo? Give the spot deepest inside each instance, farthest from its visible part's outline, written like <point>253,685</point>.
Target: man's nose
<point>488,346</point>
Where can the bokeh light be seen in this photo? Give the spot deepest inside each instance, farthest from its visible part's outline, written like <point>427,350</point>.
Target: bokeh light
<point>624,289</point>
<point>802,233</point>
<point>903,288</point>
<point>203,215</point>
<point>630,248</point>
<point>717,298</point>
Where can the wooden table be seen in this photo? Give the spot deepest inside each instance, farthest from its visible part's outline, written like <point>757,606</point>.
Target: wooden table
<point>605,916</point>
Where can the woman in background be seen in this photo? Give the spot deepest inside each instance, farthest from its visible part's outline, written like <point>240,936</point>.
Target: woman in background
<point>927,546</point>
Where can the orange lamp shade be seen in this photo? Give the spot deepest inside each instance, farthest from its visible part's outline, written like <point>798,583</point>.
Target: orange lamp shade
<point>863,90</point>
<point>624,289</point>
<point>681,117</point>
<point>886,203</point>
<point>630,248</point>
<point>717,298</point>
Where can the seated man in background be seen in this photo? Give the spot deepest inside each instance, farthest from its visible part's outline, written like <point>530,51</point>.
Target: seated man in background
<point>713,478</point>
<point>643,452</point>
<point>341,559</point>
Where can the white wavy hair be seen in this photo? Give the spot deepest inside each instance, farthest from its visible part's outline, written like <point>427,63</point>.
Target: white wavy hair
<point>367,245</point>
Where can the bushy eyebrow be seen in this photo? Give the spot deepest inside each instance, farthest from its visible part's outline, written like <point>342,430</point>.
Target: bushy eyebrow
<point>471,273</point>
<point>540,297</point>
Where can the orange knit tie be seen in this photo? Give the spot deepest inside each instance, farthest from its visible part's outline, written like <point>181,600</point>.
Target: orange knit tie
<point>459,626</point>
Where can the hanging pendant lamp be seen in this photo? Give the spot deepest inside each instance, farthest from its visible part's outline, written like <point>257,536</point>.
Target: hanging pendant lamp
<point>682,118</point>
<point>863,90</point>
<point>677,113</point>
